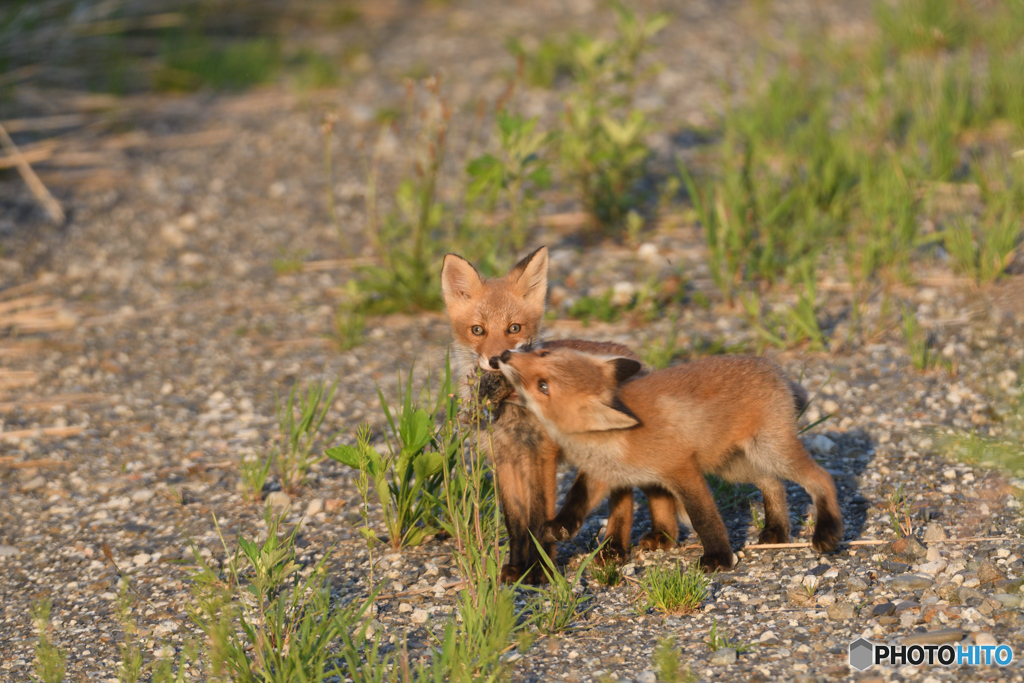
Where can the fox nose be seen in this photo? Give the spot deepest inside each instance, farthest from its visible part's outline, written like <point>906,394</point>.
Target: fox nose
<point>494,361</point>
<point>506,356</point>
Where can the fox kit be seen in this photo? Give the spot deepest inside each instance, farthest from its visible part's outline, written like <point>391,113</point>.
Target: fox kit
<point>729,416</point>
<point>489,317</point>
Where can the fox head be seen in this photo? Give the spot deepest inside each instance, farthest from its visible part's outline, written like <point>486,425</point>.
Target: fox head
<point>570,391</point>
<point>491,316</point>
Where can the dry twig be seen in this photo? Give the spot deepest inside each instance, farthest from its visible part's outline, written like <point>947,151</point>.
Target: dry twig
<point>42,195</point>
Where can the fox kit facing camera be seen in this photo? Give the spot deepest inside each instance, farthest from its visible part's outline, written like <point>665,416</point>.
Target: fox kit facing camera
<point>729,416</point>
<point>490,316</point>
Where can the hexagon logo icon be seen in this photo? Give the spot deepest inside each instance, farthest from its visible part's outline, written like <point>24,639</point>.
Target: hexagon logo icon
<point>862,654</point>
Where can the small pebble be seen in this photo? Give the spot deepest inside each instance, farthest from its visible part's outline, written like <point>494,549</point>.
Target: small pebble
<point>723,656</point>
<point>419,616</point>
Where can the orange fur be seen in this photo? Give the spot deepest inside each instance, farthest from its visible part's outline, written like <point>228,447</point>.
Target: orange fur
<point>490,316</point>
<point>729,416</point>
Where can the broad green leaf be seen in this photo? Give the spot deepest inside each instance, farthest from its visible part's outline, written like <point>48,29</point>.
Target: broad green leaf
<point>346,455</point>
<point>427,464</point>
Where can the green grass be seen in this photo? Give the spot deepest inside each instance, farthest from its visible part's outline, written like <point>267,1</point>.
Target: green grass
<point>667,665</point>
<point>717,640</point>
<point>192,61</point>
<point>673,590</point>
<point>50,659</point>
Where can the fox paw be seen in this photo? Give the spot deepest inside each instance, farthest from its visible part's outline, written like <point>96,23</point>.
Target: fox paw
<point>510,574</point>
<point>536,576</point>
<point>773,535</point>
<point>611,555</point>
<point>828,532</point>
<point>553,532</point>
<point>717,562</point>
<point>656,540</point>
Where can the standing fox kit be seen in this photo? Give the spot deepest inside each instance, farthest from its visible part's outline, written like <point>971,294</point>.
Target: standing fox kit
<point>489,317</point>
<point>729,416</point>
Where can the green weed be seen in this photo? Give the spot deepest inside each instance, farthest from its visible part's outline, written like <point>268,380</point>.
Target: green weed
<point>667,665</point>
<point>50,659</point>
<point>716,641</point>
<point>267,618</point>
<point>562,602</point>
<point>255,469</point>
<point>660,354</point>
<point>408,478</point>
<point>984,253</point>
<point>672,590</point>
<point>299,420</point>
<point>512,179</point>
<point>130,668</point>
<point>192,60</point>
<point>919,344</point>
<point>897,506</point>
<point>602,151</point>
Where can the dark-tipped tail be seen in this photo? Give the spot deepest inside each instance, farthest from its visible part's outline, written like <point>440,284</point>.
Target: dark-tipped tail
<point>800,397</point>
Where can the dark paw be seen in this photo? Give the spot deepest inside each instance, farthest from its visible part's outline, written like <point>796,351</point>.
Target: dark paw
<point>553,532</point>
<point>773,535</point>
<point>656,540</point>
<point>611,555</point>
<point>714,563</point>
<point>828,532</point>
<point>510,574</point>
<point>536,576</point>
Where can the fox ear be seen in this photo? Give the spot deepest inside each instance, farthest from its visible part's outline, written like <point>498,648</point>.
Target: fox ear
<point>530,277</point>
<point>459,279</point>
<point>624,368</point>
<point>601,417</point>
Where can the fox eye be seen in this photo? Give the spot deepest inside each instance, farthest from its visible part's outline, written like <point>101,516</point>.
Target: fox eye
<point>514,329</point>
<point>477,330</point>
<point>543,386</point>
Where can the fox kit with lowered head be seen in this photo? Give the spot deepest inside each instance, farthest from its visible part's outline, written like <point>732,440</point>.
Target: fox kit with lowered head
<point>489,317</point>
<point>729,416</point>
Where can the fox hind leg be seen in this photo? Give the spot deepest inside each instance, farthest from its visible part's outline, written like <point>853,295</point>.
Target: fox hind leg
<point>620,526</point>
<point>776,511</point>
<point>828,525</point>
<point>696,499</point>
<point>664,523</point>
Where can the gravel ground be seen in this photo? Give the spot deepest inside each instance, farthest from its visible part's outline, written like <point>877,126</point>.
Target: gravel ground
<point>170,332</point>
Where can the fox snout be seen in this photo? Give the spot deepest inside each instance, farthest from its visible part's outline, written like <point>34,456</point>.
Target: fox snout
<point>504,358</point>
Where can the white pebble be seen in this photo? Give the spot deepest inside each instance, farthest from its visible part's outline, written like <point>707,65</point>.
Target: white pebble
<point>949,474</point>
<point>142,559</point>
<point>419,616</point>
<point>985,638</point>
<point>404,607</point>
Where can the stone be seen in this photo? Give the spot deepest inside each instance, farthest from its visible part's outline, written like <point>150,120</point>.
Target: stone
<point>767,636</point>
<point>419,616</point>
<point>965,594</point>
<point>934,532</point>
<point>884,610</point>
<point>314,507</point>
<point>173,235</point>
<point>910,582</point>
<point>8,551</point>
<point>723,656</point>
<point>841,611</point>
<point>932,568</point>
<point>933,554</point>
<point>278,499</point>
<point>798,596</point>
<point>33,484</point>
<point>404,607</point>
<point>820,443</point>
<point>985,638</point>
<point>987,573</point>
<point>647,677</point>
<point>141,559</point>
<point>856,583</point>
<point>142,496</point>
<point>941,637</point>
<point>906,549</point>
